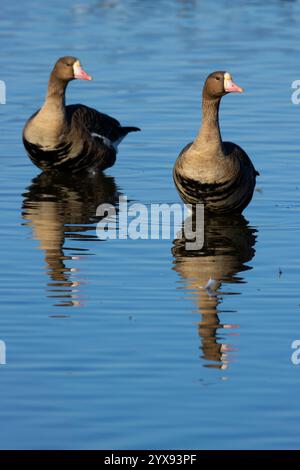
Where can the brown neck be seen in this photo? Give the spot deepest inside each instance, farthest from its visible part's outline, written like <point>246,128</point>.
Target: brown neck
<point>56,91</point>
<point>209,137</point>
<point>52,115</point>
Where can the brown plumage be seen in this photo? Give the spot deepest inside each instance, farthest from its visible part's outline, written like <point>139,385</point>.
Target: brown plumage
<point>218,174</point>
<point>71,138</point>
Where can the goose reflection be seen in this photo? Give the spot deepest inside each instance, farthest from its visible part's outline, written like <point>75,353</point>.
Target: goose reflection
<point>58,208</point>
<point>228,246</point>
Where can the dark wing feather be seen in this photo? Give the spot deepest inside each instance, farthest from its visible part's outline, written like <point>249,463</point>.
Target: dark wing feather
<point>94,121</point>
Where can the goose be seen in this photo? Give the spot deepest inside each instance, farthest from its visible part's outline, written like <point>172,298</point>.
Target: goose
<point>218,174</point>
<point>75,137</point>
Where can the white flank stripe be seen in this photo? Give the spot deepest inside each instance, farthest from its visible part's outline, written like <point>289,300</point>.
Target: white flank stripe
<point>107,141</point>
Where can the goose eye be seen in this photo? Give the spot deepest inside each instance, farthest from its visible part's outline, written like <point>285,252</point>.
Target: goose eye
<point>217,78</point>
<point>69,65</point>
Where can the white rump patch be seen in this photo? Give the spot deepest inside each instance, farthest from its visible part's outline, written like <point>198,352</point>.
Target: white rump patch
<point>107,141</point>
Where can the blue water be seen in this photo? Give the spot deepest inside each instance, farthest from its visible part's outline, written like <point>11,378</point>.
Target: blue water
<point>115,344</point>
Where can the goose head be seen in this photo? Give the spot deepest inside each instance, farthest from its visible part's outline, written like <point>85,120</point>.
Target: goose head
<point>69,68</point>
<point>219,84</point>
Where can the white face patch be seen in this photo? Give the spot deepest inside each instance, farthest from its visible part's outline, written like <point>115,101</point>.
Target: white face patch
<point>227,80</point>
<point>76,67</point>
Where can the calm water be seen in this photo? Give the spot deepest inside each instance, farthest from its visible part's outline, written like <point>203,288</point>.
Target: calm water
<point>115,344</point>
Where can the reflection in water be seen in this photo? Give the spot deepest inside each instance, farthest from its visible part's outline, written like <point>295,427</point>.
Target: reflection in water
<point>229,244</point>
<point>60,207</point>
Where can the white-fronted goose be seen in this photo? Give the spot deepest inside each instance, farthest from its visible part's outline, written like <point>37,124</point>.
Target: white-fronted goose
<point>218,174</point>
<point>75,137</point>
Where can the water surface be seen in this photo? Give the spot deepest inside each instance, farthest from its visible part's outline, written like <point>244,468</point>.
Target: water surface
<point>117,343</point>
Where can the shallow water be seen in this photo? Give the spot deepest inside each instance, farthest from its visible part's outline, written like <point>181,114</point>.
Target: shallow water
<point>117,344</point>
